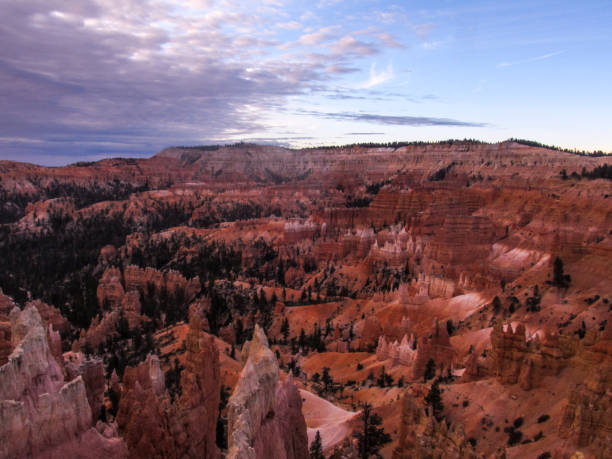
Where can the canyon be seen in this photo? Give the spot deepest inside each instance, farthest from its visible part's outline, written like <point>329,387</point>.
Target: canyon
<point>253,301</point>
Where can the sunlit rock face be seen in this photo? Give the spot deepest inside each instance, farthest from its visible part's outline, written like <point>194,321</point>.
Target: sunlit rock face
<point>264,414</point>
<point>43,415</point>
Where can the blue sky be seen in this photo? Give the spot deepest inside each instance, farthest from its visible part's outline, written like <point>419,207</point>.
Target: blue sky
<point>85,79</point>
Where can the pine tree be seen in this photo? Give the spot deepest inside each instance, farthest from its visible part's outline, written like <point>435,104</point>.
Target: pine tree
<point>372,437</point>
<point>316,448</point>
<point>327,379</point>
<point>285,329</point>
<point>560,279</point>
<point>430,370</point>
<point>434,400</point>
<point>239,332</point>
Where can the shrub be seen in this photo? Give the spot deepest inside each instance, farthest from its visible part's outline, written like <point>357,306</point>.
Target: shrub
<point>518,422</point>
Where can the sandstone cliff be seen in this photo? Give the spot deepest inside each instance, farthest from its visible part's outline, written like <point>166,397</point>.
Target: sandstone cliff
<point>436,347</point>
<point>40,414</point>
<point>422,436</point>
<point>154,425</point>
<point>264,415</point>
<point>516,360</point>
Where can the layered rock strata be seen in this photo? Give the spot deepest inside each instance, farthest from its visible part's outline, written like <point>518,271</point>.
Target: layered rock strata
<point>264,414</point>
<point>154,425</point>
<point>516,360</point>
<point>40,413</point>
<point>422,436</point>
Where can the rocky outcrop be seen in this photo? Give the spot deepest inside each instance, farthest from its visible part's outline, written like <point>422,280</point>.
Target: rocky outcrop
<point>586,418</point>
<point>91,370</point>
<point>6,347</point>
<point>114,285</point>
<point>422,436</point>
<point>265,415</point>
<point>40,413</point>
<point>52,316</point>
<point>402,353</point>
<point>368,331</point>
<point>516,360</point>
<point>296,231</point>
<point>436,347</point>
<point>154,425</point>
<point>476,367</point>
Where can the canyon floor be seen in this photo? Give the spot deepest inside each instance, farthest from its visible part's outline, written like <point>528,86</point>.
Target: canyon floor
<point>237,301</point>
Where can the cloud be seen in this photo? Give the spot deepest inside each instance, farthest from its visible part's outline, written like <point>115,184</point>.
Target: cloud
<point>291,25</point>
<point>394,120</point>
<point>350,46</point>
<point>377,78</point>
<point>532,59</point>
<point>423,30</point>
<point>131,76</point>
<point>389,40</point>
<point>365,133</point>
<point>318,37</point>
<point>95,77</point>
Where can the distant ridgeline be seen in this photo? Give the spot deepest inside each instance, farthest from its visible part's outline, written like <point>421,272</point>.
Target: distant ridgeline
<point>414,143</point>
<point>532,143</point>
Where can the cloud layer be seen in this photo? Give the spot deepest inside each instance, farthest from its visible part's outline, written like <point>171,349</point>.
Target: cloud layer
<point>92,77</point>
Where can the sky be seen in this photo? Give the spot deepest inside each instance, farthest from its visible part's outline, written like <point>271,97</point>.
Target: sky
<point>86,79</point>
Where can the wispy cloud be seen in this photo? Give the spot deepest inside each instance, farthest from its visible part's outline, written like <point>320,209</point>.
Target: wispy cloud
<point>318,37</point>
<point>365,133</point>
<point>532,59</point>
<point>394,120</point>
<point>389,40</point>
<point>377,78</point>
<point>350,46</point>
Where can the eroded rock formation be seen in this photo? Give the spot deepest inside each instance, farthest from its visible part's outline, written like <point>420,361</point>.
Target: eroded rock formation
<point>402,353</point>
<point>436,347</point>
<point>586,418</point>
<point>41,414</point>
<point>264,415</point>
<point>422,436</point>
<point>516,360</point>
<point>154,425</point>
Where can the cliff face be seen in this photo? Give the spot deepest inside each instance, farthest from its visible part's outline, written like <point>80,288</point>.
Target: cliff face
<point>436,347</point>
<point>6,305</point>
<point>516,360</point>
<point>422,436</point>
<point>91,370</point>
<point>586,417</point>
<point>402,353</point>
<point>40,413</point>
<point>115,284</point>
<point>154,425</point>
<point>264,415</point>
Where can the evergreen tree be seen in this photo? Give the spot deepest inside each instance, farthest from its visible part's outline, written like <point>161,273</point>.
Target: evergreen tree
<point>372,437</point>
<point>316,448</point>
<point>434,400</point>
<point>327,379</point>
<point>560,279</point>
<point>285,329</point>
<point>430,370</point>
<point>496,304</point>
<point>239,332</point>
